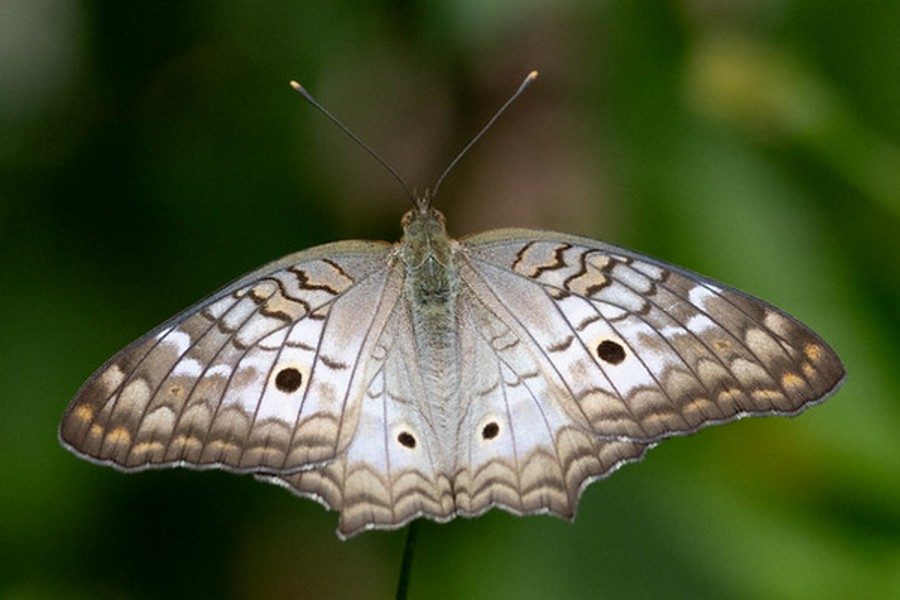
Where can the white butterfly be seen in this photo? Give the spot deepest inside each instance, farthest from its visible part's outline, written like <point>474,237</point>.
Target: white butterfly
<point>436,377</point>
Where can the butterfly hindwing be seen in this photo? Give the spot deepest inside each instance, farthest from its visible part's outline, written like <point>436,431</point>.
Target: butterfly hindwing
<point>395,468</point>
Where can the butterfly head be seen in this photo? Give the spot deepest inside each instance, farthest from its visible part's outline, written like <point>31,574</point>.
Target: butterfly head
<point>424,222</point>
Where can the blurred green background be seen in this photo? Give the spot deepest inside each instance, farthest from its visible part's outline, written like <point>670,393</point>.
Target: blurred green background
<point>152,151</point>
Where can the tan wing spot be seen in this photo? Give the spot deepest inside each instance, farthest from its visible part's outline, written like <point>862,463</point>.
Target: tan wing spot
<point>96,431</point>
<point>792,381</point>
<point>730,399</point>
<point>83,412</point>
<point>668,419</point>
<point>697,406</point>
<point>222,446</point>
<point>814,352</point>
<point>587,284</point>
<point>147,448</point>
<point>119,436</point>
<point>285,307</point>
<point>176,393</point>
<point>722,346</point>
<point>188,442</point>
<point>767,396</point>
<point>808,370</point>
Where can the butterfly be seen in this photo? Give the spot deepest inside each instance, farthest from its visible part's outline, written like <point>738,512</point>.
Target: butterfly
<point>438,378</point>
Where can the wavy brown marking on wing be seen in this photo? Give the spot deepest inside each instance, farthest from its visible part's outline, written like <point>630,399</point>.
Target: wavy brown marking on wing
<point>324,483</point>
<point>511,342</point>
<point>561,345</point>
<point>626,266</point>
<point>332,363</point>
<point>220,323</point>
<point>299,344</point>
<point>203,410</point>
<point>587,321</point>
<point>267,443</point>
<point>520,256</point>
<point>586,457</point>
<point>314,439</point>
<point>539,474</point>
<point>581,460</point>
<point>368,498</point>
<point>557,261</point>
<point>283,305</point>
<point>604,269</point>
<point>659,396</point>
<point>558,293</point>
<point>318,281</point>
<point>340,270</point>
<point>207,314</point>
<point>608,414</point>
<point>568,282</point>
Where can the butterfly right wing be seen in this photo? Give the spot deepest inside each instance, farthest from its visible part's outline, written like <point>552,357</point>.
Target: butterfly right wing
<point>265,374</point>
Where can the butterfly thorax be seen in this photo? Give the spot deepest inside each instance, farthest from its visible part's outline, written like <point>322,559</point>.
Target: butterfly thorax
<point>431,288</point>
<point>427,254</point>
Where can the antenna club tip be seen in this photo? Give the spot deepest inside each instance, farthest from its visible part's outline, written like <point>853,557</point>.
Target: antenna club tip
<point>532,76</point>
<point>296,86</point>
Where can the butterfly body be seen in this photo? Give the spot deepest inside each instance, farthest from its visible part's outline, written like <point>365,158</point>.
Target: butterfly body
<point>437,377</point>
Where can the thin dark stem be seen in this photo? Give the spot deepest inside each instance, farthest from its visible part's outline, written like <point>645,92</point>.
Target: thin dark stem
<point>406,566</point>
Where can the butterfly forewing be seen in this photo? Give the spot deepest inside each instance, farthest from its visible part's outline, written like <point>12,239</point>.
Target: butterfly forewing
<point>264,374</point>
<point>643,350</point>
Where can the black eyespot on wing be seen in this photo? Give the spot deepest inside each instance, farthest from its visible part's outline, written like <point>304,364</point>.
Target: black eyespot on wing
<point>490,430</point>
<point>406,439</point>
<point>611,352</point>
<point>289,380</point>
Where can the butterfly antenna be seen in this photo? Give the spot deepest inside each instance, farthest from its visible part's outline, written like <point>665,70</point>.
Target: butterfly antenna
<point>522,87</point>
<point>308,97</point>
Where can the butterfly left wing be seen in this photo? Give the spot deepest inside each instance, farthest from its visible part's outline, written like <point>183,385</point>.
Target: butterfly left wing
<point>627,350</point>
<point>263,374</point>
